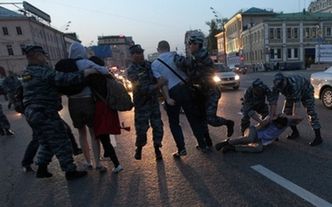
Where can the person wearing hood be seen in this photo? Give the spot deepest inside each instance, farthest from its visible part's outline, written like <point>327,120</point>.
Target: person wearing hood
<point>82,107</point>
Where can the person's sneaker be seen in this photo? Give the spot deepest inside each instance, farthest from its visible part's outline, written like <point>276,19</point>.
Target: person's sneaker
<point>316,141</point>
<point>27,169</point>
<point>230,128</point>
<point>117,169</point>
<point>9,132</point>
<point>138,153</point>
<point>101,169</point>
<point>228,148</point>
<point>294,135</point>
<point>42,172</point>
<point>222,144</point>
<point>78,151</point>
<point>71,175</point>
<point>180,153</point>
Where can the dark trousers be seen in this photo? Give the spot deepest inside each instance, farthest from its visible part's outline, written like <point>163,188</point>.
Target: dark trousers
<point>183,99</point>
<point>32,148</point>
<point>108,148</point>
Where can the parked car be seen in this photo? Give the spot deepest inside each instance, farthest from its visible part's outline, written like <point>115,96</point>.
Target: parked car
<point>239,69</point>
<point>322,83</point>
<point>226,77</point>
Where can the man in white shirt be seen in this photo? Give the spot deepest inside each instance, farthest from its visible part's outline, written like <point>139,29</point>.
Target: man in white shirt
<point>177,95</point>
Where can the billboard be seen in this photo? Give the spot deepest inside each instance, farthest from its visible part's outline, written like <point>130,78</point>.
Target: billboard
<point>323,53</point>
<point>28,7</point>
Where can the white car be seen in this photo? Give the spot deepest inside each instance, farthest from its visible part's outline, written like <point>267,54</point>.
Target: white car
<point>226,77</point>
<point>322,83</point>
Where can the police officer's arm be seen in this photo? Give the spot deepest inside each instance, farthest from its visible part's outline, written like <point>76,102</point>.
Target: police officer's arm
<point>182,62</point>
<point>140,83</point>
<point>248,105</point>
<point>66,79</point>
<point>273,100</point>
<point>297,116</point>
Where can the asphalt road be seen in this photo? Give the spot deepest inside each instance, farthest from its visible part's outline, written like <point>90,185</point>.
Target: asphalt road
<point>302,174</point>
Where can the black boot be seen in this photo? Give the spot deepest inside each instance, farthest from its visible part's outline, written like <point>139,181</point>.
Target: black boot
<point>318,139</point>
<point>138,153</point>
<point>42,172</point>
<point>77,151</point>
<point>9,132</point>
<point>71,175</point>
<point>157,151</point>
<point>222,144</point>
<point>230,128</point>
<point>1,132</point>
<point>295,133</point>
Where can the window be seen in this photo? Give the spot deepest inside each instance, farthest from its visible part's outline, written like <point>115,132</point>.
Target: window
<point>289,53</point>
<point>5,31</point>
<point>314,32</point>
<point>10,50</point>
<point>271,33</point>
<point>307,33</point>
<point>289,33</point>
<point>19,30</point>
<point>296,55</point>
<point>295,33</point>
<point>275,53</point>
<point>278,33</point>
<point>292,53</point>
<point>279,53</point>
<point>328,31</point>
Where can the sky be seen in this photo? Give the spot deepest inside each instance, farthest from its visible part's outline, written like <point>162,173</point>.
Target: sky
<point>147,21</point>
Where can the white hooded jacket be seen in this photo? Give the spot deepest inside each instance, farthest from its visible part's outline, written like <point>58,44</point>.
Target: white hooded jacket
<point>77,51</point>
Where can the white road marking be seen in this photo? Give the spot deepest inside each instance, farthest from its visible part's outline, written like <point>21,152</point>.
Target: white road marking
<point>304,194</point>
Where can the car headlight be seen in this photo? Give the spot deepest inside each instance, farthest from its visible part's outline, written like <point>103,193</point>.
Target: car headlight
<point>237,77</point>
<point>216,79</point>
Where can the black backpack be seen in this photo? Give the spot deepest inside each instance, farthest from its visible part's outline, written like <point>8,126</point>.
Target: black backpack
<point>69,65</point>
<point>110,91</point>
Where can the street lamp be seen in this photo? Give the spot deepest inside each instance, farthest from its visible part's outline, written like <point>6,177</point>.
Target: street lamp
<point>222,28</point>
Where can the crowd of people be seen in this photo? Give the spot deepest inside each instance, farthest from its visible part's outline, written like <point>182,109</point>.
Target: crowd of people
<point>186,84</point>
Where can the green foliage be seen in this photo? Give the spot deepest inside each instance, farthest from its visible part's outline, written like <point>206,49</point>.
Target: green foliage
<point>216,26</point>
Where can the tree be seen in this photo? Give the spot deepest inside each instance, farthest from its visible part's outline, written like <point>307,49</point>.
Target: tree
<point>216,26</point>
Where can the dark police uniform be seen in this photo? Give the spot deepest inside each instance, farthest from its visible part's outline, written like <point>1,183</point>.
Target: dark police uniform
<point>146,103</point>
<point>255,103</point>
<point>42,102</point>
<point>200,71</point>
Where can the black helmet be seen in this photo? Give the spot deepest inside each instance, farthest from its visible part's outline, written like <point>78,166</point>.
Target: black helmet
<point>278,80</point>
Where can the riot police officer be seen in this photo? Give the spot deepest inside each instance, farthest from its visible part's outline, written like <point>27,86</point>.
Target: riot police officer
<point>199,69</point>
<point>145,97</point>
<point>296,90</point>
<point>254,103</point>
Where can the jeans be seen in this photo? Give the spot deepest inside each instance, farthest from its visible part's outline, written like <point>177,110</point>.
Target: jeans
<point>183,99</point>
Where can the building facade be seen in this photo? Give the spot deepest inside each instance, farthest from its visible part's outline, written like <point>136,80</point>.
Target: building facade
<point>320,6</point>
<point>240,22</point>
<point>120,49</point>
<point>17,31</point>
<point>287,40</point>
